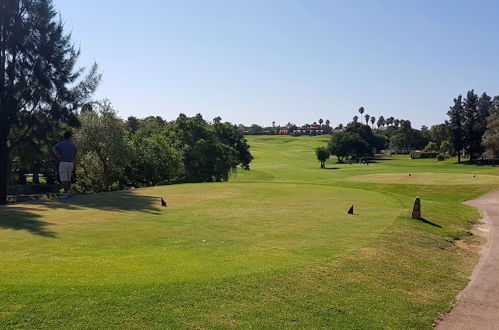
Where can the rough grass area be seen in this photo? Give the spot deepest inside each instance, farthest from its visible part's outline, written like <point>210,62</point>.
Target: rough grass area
<point>272,248</point>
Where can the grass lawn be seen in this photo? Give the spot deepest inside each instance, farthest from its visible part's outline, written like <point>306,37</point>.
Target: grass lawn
<point>273,247</point>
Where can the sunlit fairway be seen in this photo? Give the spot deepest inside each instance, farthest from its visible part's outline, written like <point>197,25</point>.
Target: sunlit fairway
<point>273,247</point>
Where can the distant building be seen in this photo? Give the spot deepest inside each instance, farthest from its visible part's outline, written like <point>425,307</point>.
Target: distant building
<point>312,129</point>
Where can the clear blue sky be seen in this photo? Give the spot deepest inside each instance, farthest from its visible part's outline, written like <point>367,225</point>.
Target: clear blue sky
<point>284,60</point>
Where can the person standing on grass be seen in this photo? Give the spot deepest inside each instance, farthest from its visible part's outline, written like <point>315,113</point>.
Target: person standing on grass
<point>65,151</point>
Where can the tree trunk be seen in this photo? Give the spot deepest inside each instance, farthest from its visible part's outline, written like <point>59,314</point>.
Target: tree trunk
<point>459,157</point>
<point>36,177</point>
<point>4,163</point>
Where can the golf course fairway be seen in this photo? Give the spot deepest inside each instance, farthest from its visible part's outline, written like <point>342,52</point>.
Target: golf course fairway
<point>273,247</point>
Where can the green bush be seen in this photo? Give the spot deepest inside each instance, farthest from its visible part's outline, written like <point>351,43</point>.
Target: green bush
<point>440,157</point>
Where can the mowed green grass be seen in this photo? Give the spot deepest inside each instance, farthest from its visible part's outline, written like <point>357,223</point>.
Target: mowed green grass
<point>273,247</point>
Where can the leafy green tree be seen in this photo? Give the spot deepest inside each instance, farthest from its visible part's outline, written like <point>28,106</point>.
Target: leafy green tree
<point>102,150</point>
<point>133,124</point>
<point>256,129</point>
<point>364,131</point>
<point>153,160</point>
<point>431,146</point>
<point>211,152</point>
<point>407,138</point>
<point>440,133</point>
<point>445,147</point>
<point>37,73</point>
<point>229,135</point>
<point>322,154</point>
<point>491,136</point>
<point>348,144</point>
<point>380,142</point>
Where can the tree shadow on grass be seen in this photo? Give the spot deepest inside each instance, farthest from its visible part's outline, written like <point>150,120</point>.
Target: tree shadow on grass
<point>29,216</point>
<point>17,219</point>
<point>477,163</point>
<point>120,201</point>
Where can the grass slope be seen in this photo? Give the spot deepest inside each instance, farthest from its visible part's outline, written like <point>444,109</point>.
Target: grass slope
<point>272,248</point>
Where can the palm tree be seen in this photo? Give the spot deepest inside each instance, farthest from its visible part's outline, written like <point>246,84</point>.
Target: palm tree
<point>321,121</point>
<point>381,121</point>
<point>373,120</point>
<point>217,120</point>
<point>361,111</point>
<point>327,122</point>
<point>390,120</point>
<point>396,122</point>
<point>355,118</point>
<point>366,117</point>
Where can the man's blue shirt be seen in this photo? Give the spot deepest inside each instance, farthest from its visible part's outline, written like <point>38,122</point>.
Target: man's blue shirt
<point>67,150</point>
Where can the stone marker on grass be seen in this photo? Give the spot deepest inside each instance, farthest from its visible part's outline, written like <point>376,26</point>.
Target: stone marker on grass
<point>416,209</point>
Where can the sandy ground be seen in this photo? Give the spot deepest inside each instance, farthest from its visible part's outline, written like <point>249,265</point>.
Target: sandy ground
<point>477,306</point>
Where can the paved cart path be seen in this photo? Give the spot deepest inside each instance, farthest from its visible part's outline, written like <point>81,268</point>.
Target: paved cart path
<point>477,306</point>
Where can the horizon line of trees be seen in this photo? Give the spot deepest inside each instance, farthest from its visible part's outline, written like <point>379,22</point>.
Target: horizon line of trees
<point>472,130</point>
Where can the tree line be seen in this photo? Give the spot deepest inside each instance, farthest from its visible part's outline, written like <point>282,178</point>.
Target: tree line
<point>115,153</point>
<point>472,131</point>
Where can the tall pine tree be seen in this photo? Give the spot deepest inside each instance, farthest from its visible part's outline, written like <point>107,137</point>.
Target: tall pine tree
<point>456,122</point>
<point>38,78</point>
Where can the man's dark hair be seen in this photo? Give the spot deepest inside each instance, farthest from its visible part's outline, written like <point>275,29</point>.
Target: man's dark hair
<point>68,135</point>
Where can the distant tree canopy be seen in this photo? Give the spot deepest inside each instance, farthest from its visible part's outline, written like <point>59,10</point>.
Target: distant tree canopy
<point>39,83</point>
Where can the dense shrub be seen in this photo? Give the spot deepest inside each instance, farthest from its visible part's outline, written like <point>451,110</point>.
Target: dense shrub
<point>440,157</point>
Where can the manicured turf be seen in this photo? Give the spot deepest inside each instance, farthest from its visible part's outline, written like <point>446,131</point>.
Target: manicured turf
<point>272,248</point>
